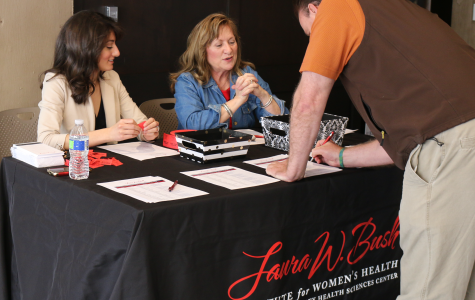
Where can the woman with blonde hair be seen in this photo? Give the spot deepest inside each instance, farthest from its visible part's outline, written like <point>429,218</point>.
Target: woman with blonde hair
<point>82,85</point>
<point>214,87</point>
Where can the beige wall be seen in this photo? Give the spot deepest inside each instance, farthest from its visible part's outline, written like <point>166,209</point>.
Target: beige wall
<point>28,31</point>
<point>462,23</point>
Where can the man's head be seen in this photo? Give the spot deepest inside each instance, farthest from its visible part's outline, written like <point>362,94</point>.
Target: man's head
<point>306,11</point>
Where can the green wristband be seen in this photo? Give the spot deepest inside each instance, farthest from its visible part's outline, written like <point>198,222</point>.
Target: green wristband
<point>341,157</point>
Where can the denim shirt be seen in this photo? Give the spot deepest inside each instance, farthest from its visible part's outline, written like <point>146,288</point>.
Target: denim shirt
<point>199,106</point>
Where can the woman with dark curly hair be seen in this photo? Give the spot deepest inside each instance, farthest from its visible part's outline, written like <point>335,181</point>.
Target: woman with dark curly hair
<point>82,85</point>
<point>215,87</point>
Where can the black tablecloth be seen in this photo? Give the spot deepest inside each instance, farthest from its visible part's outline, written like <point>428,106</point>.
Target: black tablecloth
<point>324,237</point>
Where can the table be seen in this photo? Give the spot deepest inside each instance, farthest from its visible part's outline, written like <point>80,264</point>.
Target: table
<point>319,238</point>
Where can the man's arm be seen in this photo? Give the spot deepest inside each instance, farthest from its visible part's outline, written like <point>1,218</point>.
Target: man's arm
<point>308,106</point>
<point>364,155</point>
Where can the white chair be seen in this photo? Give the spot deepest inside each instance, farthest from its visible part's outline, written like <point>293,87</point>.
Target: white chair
<point>19,125</point>
<point>162,110</point>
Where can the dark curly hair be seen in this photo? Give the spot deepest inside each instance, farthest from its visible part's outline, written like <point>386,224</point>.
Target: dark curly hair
<point>78,48</point>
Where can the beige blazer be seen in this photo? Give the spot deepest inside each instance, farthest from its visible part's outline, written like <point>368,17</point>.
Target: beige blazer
<point>58,109</point>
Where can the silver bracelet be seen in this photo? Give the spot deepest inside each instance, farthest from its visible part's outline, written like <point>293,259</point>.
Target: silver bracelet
<point>228,110</point>
<point>271,98</point>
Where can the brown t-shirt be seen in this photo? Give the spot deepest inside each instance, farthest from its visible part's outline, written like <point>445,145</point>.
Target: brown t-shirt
<point>336,33</point>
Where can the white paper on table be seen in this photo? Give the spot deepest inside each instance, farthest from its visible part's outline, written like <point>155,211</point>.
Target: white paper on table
<point>257,141</point>
<point>231,177</point>
<point>313,169</point>
<point>140,150</point>
<point>350,130</point>
<point>151,189</point>
<point>264,162</point>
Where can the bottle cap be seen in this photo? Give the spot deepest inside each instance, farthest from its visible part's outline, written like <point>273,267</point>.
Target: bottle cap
<point>79,122</point>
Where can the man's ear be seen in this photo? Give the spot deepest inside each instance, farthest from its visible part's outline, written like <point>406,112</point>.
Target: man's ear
<point>312,8</point>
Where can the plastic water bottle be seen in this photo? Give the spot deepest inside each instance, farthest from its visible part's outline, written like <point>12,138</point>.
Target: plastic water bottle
<point>78,151</point>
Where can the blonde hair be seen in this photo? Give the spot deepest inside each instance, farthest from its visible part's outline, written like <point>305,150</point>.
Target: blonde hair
<point>194,59</point>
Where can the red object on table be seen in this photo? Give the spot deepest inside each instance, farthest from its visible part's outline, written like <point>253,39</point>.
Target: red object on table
<point>173,186</point>
<point>169,140</point>
<point>96,160</point>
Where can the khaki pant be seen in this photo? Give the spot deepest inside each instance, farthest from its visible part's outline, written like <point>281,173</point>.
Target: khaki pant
<point>437,217</point>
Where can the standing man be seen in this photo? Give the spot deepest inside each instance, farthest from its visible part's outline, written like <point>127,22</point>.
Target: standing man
<point>412,79</point>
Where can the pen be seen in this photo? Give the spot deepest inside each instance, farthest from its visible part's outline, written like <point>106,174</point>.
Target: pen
<point>173,186</point>
<point>328,138</point>
<point>324,142</point>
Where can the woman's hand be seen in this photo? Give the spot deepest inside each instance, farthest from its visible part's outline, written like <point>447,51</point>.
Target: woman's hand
<point>150,130</point>
<point>247,84</point>
<point>123,130</point>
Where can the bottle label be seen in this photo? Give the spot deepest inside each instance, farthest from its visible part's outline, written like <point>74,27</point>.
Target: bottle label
<point>78,145</point>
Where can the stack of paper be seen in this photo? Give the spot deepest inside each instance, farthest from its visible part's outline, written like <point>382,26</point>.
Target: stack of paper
<point>37,154</point>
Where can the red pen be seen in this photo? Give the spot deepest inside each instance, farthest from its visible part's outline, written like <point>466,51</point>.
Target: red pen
<point>173,186</point>
<point>328,138</point>
<point>259,136</point>
<point>324,142</point>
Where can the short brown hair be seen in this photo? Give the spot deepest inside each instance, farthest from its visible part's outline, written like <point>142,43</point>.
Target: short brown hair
<point>303,4</point>
<point>194,59</point>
